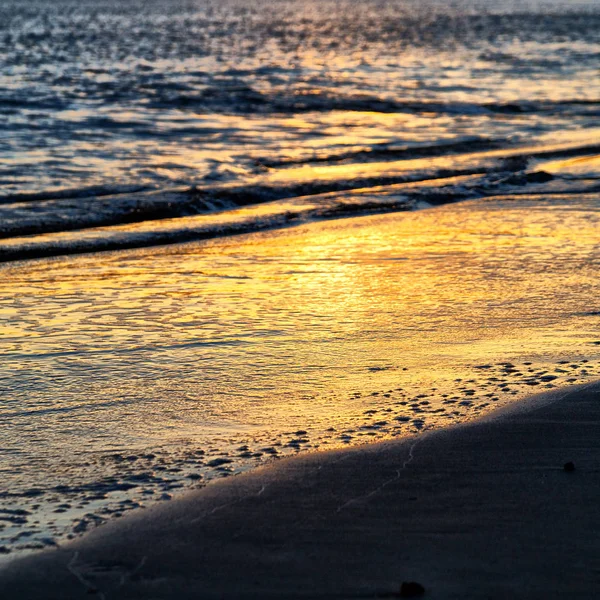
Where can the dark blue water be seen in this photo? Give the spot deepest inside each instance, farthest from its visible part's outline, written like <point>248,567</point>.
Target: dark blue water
<point>103,98</point>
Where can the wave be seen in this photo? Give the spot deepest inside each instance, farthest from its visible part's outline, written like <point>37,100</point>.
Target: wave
<point>96,191</point>
<point>329,186</point>
<point>242,98</point>
<point>239,96</point>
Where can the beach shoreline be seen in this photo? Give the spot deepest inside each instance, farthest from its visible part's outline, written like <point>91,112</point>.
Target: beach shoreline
<point>481,510</point>
<point>281,284</point>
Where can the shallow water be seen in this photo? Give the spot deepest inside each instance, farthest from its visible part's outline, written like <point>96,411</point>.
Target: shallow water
<point>261,128</point>
<point>127,374</point>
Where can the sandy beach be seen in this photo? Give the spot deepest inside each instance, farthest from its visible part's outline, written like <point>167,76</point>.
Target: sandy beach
<point>250,230</point>
<point>483,510</point>
<point>278,284</point>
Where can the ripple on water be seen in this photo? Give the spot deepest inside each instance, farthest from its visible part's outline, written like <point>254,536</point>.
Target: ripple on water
<point>330,344</point>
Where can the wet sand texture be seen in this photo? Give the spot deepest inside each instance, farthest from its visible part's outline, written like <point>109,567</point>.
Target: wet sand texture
<point>486,510</point>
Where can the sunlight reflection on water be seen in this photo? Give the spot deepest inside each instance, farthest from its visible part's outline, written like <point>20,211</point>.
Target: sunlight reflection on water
<point>126,373</point>
<point>240,325</point>
<point>114,94</point>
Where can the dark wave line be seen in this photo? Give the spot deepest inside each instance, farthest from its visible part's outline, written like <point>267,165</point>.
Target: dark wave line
<point>245,99</point>
<point>233,97</point>
<point>496,169</point>
<point>96,191</point>
<point>516,159</point>
<point>177,203</point>
<point>334,210</point>
<point>358,201</point>
<point>388,152</point>
<point>156,239</point>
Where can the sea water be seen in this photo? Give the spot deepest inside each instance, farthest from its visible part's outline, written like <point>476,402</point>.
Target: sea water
<point>391,217</point>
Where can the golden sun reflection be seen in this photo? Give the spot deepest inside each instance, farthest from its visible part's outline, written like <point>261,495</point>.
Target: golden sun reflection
<point>318,336</point>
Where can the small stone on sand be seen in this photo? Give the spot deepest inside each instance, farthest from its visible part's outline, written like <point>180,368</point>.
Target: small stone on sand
<point>411,589</point>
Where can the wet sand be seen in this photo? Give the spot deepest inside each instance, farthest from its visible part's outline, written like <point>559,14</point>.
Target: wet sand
<point>484,510</point>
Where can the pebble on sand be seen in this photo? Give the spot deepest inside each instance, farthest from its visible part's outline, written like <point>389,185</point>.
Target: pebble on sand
<point>411,589</point>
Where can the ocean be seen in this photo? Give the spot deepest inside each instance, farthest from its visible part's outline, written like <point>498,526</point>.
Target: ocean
<point>233,231</point>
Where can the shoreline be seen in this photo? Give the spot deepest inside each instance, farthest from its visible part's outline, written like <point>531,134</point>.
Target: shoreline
<point>478,510</point>
<point>237,346</point>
